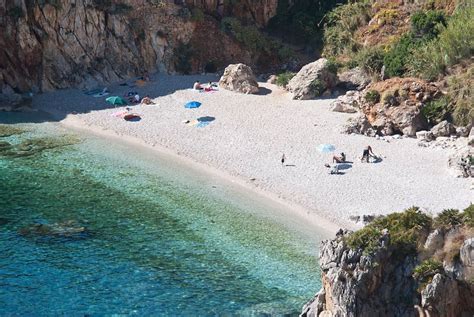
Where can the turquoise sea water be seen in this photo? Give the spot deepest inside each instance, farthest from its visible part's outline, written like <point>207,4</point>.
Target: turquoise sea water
<point>162,240</point>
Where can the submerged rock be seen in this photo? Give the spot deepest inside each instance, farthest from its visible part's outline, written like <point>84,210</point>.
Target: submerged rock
<point>8,130</point>
<point>67,229</point>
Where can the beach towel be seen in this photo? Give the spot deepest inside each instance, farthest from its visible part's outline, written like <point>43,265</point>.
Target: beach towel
<point>119,114</point>
<point>202,124</point>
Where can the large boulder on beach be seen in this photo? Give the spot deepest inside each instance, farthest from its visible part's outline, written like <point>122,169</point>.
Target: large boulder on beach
<point>354,79</point>
<point>239,78</point>
<point>444,128</point>
<point>348,103</point>
<point>312,80</point>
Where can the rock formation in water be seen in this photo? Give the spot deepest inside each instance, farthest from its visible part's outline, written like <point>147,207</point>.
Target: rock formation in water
<point>403,264</point>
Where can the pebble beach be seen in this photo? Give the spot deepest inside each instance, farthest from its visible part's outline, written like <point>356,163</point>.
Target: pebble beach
<point>248,135</point>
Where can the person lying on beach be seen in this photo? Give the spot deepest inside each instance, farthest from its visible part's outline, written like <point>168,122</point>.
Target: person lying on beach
<point>197,85</point>
<point>339,159</point>
<point>367,153</point>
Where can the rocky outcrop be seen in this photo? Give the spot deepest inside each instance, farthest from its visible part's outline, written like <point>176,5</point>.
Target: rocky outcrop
<point>356,284</point>
<point>382,281</point>
<point>354,79</point>
<point>348,103</point>
<point>239,78</point>
<point>444,128</point>
<point>47,45</point>
<point>394,106</point>
<point>312,80</point>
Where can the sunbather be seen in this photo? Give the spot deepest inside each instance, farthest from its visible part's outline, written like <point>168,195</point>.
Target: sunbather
<point>339,159</point>
<point>147,101</point>
<point>197,85</point>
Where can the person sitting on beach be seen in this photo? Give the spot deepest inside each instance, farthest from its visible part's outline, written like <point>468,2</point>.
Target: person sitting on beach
<point>367,153</point>
<point>147,100</point>
<point>339,159</point>
<point>137,98</point>
<point>197,85</point>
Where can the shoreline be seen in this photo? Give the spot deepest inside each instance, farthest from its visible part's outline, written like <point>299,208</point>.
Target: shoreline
<point>247,136</point>
<point>330,227</point>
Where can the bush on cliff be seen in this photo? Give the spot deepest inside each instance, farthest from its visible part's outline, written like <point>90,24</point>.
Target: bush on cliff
<point>406,230</point>
<point>425,271</point>
<point>448,219</point>
<point>454,43</point>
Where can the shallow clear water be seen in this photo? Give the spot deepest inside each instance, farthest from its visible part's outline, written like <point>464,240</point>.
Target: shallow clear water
<point>162,240</point>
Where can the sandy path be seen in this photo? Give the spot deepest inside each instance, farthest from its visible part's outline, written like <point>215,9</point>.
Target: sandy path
<point>251,132</point>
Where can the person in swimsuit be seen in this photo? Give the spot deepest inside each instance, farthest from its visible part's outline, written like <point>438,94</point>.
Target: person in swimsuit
<point>367,153</point>
<point>283,159</point>
<point>339,159</point>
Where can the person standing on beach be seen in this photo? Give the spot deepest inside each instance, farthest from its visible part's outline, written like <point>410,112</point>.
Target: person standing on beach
<point>367,153</point>
<point>283,159</point>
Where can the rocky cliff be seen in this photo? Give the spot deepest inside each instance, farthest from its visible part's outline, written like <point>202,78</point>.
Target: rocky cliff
<point>52,44</point>
<point>400,265</point>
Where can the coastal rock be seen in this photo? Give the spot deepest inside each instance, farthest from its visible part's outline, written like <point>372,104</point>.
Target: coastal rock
<point>358,125</point>
<point>466,256</point>
<point>67,229</point>
<point>462,132</point>
<point>396,109</point>
<point>444,128</point>
<point>239,78</point>
<point>354,79</point>
<point>349,103</point>
<point>312,80</point>
<point>441,297</point>
<point>425,135</point>
<point>47,45</point>
<point>460,162</point>
<point>435,241</point>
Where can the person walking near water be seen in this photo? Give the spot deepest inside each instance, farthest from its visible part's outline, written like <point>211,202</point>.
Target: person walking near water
<point>283,159</point>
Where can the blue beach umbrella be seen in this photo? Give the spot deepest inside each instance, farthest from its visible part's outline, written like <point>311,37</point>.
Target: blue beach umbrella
<point>116,100</point>
<point>192,104</point>
<point>326,148</point>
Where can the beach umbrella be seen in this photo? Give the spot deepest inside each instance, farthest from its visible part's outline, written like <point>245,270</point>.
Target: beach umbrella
<point>192,104</point>
<point>116,100</point>
<point>326,148</point>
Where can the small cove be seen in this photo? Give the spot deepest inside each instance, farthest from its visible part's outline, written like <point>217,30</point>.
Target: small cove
<point>163,240</point>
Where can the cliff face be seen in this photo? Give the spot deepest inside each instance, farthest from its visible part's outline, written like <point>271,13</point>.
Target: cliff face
<point>383,283</point>
<point>54,44</point>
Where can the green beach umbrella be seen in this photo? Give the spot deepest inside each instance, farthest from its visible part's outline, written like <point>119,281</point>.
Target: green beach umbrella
<point>116,100</point>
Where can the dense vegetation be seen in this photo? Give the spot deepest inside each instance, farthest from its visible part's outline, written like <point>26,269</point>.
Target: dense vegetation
<point>408,229</point>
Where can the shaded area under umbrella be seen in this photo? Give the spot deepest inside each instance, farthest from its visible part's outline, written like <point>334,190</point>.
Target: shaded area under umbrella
<point>326,148</point>
<point>206,119</point>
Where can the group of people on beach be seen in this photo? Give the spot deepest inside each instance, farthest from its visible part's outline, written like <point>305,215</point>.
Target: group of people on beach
<point>367,153</point>
<point>198,86</point>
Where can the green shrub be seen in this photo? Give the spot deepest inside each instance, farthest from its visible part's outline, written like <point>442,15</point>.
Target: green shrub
<point>341,25</point>
<point>424,272</point>
<point>406,230</point>
<point>372,96</point>
<point>426,23</point>
<point>448,219</point>
<point>317,87</point>
<point>461,95</point>
<point>396,59</point>
<point>468,216</point>
<point>15,12</point>
<point>370,59</point>
<point>437,110</point>
<point>454,43</point>
<point>283,78</point>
